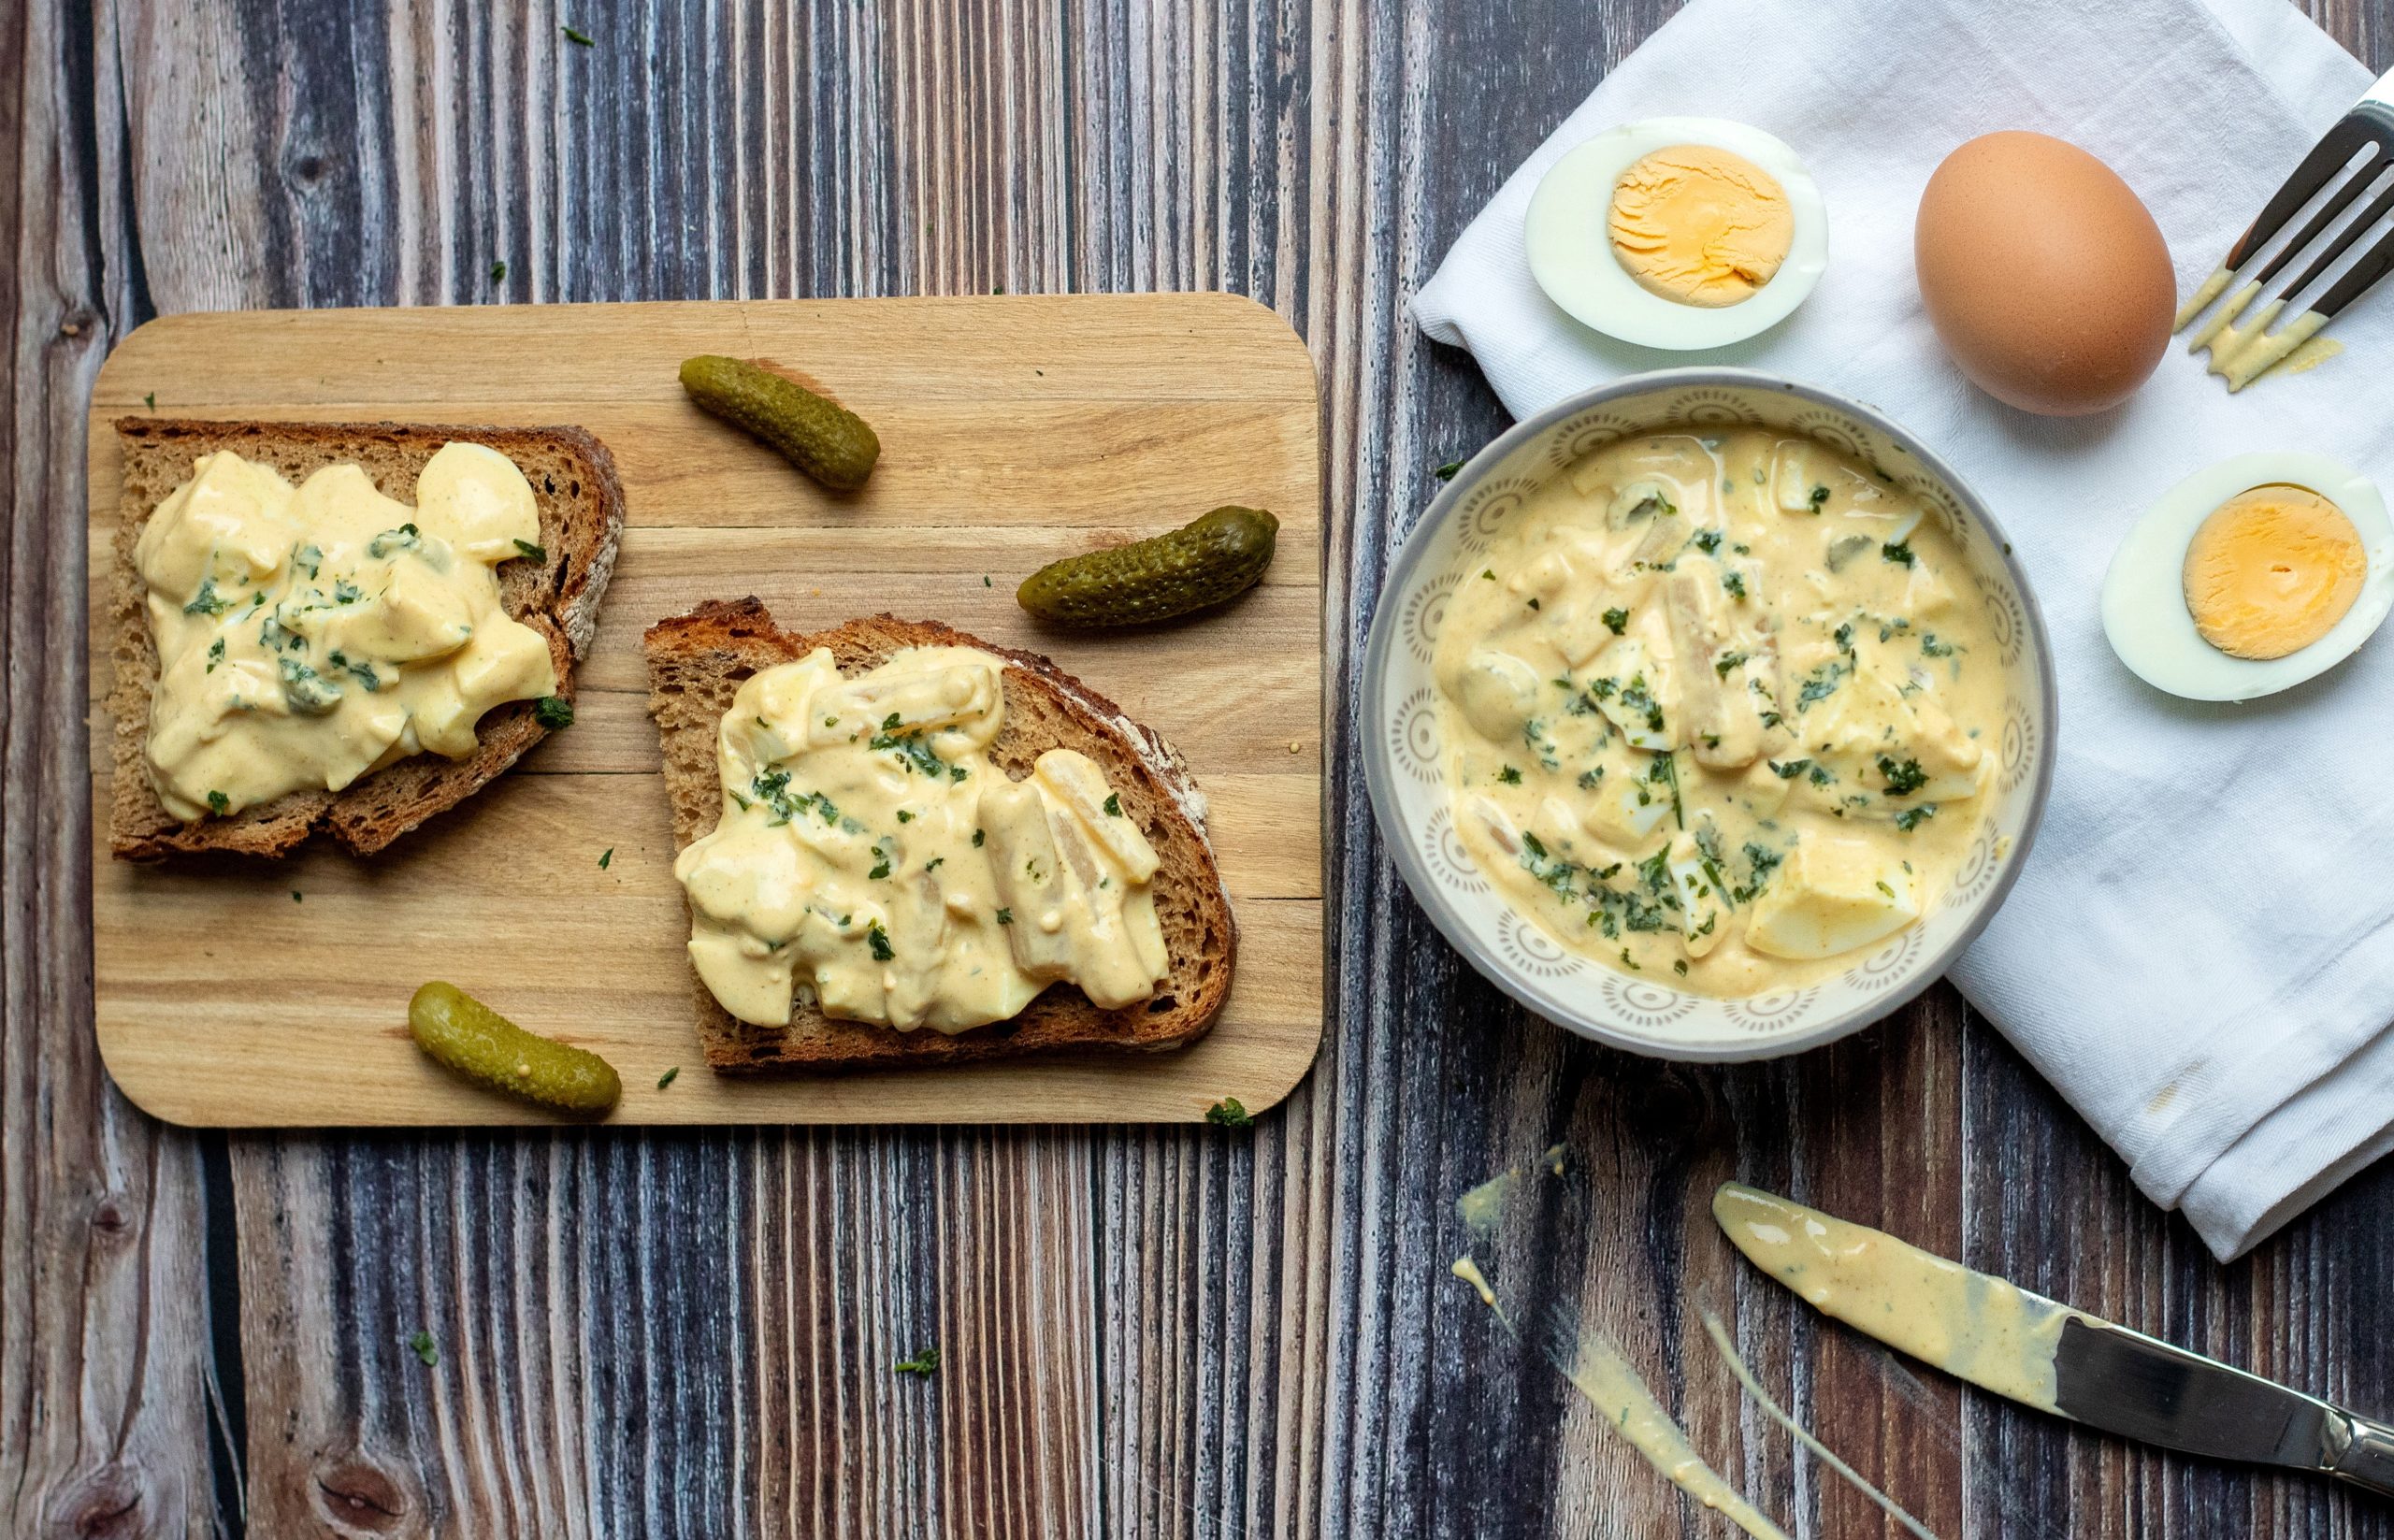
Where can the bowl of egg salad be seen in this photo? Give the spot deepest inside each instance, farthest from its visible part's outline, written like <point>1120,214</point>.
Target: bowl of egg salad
<point>1708,714</point>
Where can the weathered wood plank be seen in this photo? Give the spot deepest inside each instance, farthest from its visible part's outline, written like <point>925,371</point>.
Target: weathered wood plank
<point>104,1406</point>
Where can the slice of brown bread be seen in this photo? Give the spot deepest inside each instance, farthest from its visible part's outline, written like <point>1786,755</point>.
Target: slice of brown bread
<point>695,664</point>
<point>582,518</point>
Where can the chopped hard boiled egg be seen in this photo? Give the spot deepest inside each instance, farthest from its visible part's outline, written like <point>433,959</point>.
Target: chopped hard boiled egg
<point>1678,233</point>
<point>1832,895</point>
<point>2250,577</point>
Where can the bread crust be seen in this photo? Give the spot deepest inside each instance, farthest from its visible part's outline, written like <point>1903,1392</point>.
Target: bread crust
<point>697,662</point>
<point>581,503</point>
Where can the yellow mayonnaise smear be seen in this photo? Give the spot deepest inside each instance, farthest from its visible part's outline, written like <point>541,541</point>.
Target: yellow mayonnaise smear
<point>1716,708</point>
<point>2273,570</point>
<point>1983,1329</point>
<point>1699,226</point>
<point>308,636</point>
<point>871,857</point>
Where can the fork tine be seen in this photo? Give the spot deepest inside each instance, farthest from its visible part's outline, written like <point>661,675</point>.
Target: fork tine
<point>2335,204</point>
<point>2326,159</point>
<point>2368,271</point>
<point>2336,248</point>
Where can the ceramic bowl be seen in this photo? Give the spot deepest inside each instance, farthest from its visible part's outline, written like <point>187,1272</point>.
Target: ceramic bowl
<point>1403,755</point>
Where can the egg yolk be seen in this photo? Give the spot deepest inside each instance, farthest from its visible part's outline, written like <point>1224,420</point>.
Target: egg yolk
<point>1699,226</point>
<point>2273,570</point>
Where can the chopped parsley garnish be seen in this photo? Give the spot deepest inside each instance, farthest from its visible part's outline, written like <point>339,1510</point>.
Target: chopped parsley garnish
<point>924,1363</point>
<point>1819,684</point>
<point>421,1345</point>
<point>1843,637</point>
<point>346,592</point>
<point>151,401</point>
<point>1536,846</point>
<point>1735,582</point>
<point>1763,860</point>
<point>1509,776</point>
<point>978,835</point>
<point>1617,620</point>
<point>498,271</point>
<point>1488,574</point>
<point>1678,966</point>
<point>1588,778</point>
<point>205,602</point>
<point>605,856</point>
<point>1114,804</point>
<point>904,816</point>
<point>1005,916</point>
<point>1820,495</point>
<point>402,539</point>
<point>1902,778</point>
<point>1447,472</point>
<point>575,34</point>
<point>1931,647</point>
<point>530,552</point>
<point>215,654</point>
<point>1706,541</point>
<point>1533,604</point>
<point>1726,661</point>
<point>1820,776</point>
<point>1666,771</point>
<point>1912,818</point>
<point>1631,963</point>
<point>912,749</point>
<point>667,1078</point>
<point>1885,888</point>
<point>879,939</point>
<point>880,870</point>
<point>218,804</point>
<point>1230,1113</point>
<point>554,712</point>
<point>1899,554</point>
<point>297,896</point>
<point>1788,770</point>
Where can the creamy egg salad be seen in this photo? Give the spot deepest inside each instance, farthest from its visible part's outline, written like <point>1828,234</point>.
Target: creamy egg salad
<point>307,636</point>
<point>871,858</point>
<point>1718,707</point>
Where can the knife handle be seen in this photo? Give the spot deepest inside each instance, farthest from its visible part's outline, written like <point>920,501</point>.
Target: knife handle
<point>2367,1456</point>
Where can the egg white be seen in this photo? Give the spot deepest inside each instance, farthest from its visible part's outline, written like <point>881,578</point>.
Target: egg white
<point>1570,246</point>
<point>2144,592</point>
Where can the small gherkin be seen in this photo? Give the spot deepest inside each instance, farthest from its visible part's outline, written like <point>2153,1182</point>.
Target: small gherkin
<point>478,1043</point>
<point>1216,557</point>
<point>817,434</point>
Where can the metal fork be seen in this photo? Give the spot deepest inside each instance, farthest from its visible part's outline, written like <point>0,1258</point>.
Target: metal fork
<point>2243,353</point>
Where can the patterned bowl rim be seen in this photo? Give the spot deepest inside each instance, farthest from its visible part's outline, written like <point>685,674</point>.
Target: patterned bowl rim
<point>1379,773</point>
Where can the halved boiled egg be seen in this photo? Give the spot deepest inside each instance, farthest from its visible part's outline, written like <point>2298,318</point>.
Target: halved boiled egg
<point>2250,577</point>
<point>1678,233</point>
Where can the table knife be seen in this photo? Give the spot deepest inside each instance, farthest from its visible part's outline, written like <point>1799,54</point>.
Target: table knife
<point>2042,1354</point>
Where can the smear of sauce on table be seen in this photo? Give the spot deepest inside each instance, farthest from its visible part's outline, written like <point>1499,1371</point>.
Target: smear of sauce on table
<point>2243,353</point>
<point>1983,1329</point>
<point>1597,1366</point>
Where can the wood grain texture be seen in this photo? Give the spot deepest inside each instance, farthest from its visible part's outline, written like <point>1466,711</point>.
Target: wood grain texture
<point>1148,1332</point>
<point>1014,429</point>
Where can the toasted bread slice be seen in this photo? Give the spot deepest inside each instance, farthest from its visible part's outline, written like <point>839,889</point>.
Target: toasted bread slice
<point>582,518</point>
<point>695,665</point>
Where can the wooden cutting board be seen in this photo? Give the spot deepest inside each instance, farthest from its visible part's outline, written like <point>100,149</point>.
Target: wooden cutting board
<point>1013,430</point>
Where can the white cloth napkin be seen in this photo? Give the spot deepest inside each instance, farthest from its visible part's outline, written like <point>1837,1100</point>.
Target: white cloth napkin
<point>2199,951</point>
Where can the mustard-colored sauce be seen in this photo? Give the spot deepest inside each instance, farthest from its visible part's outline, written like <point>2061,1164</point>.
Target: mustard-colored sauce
<point>872,859</point>
<point>307,636</point>
<point>1983,1328</point>
<point>1718,708</point>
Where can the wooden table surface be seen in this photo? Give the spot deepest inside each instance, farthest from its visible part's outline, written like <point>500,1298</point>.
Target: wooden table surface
<point>1144,1330</point>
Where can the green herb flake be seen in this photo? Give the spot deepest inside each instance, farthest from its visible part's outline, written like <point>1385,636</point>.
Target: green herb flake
<point>924,1363</point>
<point>498,271</point>
<point>219,805</point>
<point>1819,497</point>
<point>297,896</point>
<point>1617,620</point>
<point>1726,661</point>
<point>1902,778</point>
<point>880,942</point>
<point>1447,472</point>
<point>1488,574</point>
<point>985,581</point>
<point>530,552</point>
<point>151,401</point>
<point>1509,776</point>
<point>206,602</point>
<point>978,835</point>
<point>1912,818</point>
<point>667,1078</point>
<point>606,855</point>
<point>215,654</point>
<point>554,712</point>
<point>1735,582</point>
<point>1005,916</point>
<point>423,1346</point>
<point>1885,888</point>
<point>1899,554</point>
<point>1114,804</point>
<point>575,34</point>
<point>1230,1113</point>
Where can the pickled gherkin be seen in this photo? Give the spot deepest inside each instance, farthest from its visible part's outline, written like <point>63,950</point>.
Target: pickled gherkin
<point>817,434</point>
<point>1215,558</point>
<point>478,1043</point>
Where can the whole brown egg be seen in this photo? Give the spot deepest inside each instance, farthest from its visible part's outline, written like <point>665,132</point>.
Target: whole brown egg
<point>2044,273</point>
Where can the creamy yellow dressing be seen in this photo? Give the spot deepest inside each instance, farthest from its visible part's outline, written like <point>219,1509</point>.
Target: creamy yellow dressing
<point>307,636</point>
<point>1718,707</point>
<point>1983,1329</point>
<point>872,859</point>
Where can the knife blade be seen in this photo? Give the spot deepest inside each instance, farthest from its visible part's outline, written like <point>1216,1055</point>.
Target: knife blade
<point>2031,1349</point>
